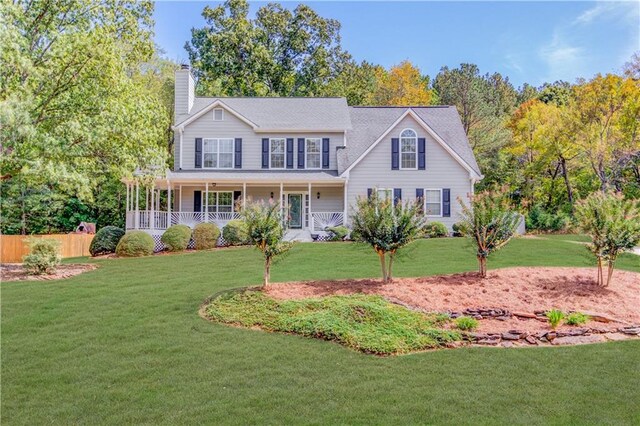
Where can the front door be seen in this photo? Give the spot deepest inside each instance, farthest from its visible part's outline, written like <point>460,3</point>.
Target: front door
<point>295,210</point>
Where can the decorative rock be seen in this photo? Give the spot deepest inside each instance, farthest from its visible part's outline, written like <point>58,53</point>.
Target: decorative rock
<point>491,342</point>
<point>524,315</point>
<point>503,318</point>
<point>550,336</point>
<point>531,340</point>
<point>600,317</point>
<point>631,330</point>
<point>510,336</point>
<point>615,337</point>
<point>578,340</point>
<point>507,344</point>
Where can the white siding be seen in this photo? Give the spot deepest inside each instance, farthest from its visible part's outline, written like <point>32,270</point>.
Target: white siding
<point>442,171</point>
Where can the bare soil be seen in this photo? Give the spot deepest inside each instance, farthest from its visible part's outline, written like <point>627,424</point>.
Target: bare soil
<point>522,289</point>
<point>15,272</point>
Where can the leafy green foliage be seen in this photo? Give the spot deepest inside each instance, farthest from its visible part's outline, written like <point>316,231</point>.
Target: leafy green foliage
<point>176,237</point>
<point>135,244</point>
<point>555,317</point>
<point>540,219</point>
<point>368,324</point>
<point>466,323</point>
<point>436,230</point>
<point>613,224</point>
<point>106,240</point>
<point>235,233</point>
<point>491,223</point>
<point>459,229</point>
<point>43,257</point>
<point>386,227</point>
<point>265,232</point>
<point>340,233</point>
<point>205,236</point>
<point>577,318</point>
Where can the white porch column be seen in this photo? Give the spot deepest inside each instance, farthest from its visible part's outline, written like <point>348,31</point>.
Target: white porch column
<point>136,222</point>
<point>168,203</point>
<point>244,194</point>
<point>206,202</point>
<point>146,202</point>
<point>180,200</point>
<point>126,210</point>
<point>309,216</point>
<point>345,205</point>
<point>152,221</point>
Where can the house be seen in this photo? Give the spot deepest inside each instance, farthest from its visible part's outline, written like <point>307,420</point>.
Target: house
<point>313,155</point>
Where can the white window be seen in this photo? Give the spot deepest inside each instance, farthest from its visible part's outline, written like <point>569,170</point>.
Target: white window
<point>276,153</point>
<point>217,153</point>
<point>314,153</point>
<point>218,114</point>
<point>385,194</point>
<point>220,202</point>
<point>408,149</point>
<point>433,202</point>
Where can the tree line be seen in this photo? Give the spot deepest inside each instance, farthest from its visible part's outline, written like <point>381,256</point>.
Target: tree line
<point>87,98</point>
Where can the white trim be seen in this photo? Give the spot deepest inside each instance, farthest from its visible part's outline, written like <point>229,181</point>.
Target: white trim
<point>180,131</point>
<point>203,111</point>
<point>425,127</point>
<point>415,140</point>
<point>284,154</point>
<point>221,112</point>
<point>302,193</point>
<point>233,154</point>
<point>306,154</point>
<point>424,202</point>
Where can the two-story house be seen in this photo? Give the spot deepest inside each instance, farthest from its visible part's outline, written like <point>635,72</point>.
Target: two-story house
<point>315,156</point>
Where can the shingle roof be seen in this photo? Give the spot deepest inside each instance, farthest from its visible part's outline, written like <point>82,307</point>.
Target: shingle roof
<point>369,123</point>
<point>323,114</point>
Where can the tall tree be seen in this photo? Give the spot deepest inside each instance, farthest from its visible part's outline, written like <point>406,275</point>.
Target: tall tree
<point>279,53</point>
<point>403,84</point>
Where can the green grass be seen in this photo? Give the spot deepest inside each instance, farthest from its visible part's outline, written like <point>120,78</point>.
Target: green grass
<point>124,344</point>
<point>369,324</point>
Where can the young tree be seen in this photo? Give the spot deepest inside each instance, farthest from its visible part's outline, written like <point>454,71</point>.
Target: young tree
<point>264,227</point>
<point>490,222</point>
<point>387,225</point>
<point>613,224</point>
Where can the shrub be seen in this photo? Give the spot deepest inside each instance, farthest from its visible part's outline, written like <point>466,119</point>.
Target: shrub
<point>436,230</point>
<point>466,323</point>
<point>43,257</point>
<point>134,244</point>
<point>339,233</point>
<point>460,229</point>
<point>555,316</point>
<point>541,220</point>
<point>577,318</point>
<point>106,240</point>
<point>205,236</point>
<point>235,233</point>
<point>176,237</point>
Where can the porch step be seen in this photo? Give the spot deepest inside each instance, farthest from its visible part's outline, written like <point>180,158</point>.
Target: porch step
<point>301,235</point>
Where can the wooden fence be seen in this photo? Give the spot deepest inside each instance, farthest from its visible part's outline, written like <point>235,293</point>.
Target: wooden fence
<point>14,247</point>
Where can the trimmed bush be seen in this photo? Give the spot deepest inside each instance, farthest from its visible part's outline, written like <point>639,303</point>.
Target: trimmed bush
<point>205,236</point>
<point>540,219</point>
<point>436,230</point>
<point>339,232</point>
<point>466,323</point>
<point>43,257</point>
<point>555,316</point>
<point>106,240</point>
<point>176,237</point>
<point>577,318</point>
<point>134,244</point>
<point>459,229</point>
<point>235,233</point>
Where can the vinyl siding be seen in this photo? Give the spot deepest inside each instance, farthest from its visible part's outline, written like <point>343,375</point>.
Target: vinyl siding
<point>233,127</point>
<point>442,171</point>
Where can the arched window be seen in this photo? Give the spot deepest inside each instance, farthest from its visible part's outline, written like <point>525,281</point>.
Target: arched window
<point>408,149</point>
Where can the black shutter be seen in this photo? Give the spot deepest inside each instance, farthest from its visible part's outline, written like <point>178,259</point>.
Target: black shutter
<point>397,196</point>
<point>420,198</point>
<point>197,201</point>
<point>198,161</point>
<point>325,153</point>
<point>301,153</point>
<point>238,155</point>
<point>395,154</point>
<point>446,202</point>
<point>265,153</point>
<point>422,145</point>
<point>369,192</point>
<point>290,153</point>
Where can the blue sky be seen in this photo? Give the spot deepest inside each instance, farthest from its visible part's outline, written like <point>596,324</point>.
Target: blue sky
<point>529,42</point>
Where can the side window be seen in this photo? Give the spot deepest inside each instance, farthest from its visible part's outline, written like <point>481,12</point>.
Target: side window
<point>218,114</point>
<point>433,202</point>
<point>314,153</point>
<point>276,153</point>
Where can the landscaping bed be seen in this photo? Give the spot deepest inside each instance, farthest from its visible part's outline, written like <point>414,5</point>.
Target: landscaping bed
<point>15,272</point>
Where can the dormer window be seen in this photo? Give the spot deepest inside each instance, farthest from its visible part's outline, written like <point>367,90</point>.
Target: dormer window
<point>408,149</point>
<point>218,114</point>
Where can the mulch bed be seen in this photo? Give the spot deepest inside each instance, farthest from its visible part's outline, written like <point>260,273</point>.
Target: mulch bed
<point>15,272</point>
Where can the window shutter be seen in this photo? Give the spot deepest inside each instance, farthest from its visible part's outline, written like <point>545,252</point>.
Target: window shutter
<point>422,145</point>
<point>397,196</point>
<point>301,153</point>
<point>197,201</point>
<point>369,192</point>
<point>198,160</point>
<point>325,153</point>
<point>446,202</point>
<point>395,154</point>
<point>420,198</point>
<point>290,153</point>
<point>238,155</point>
<point>265,153</point>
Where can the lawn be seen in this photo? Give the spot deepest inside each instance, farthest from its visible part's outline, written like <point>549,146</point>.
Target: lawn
<point>124,344</point>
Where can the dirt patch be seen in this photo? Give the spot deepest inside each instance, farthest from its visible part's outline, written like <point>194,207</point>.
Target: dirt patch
<point>522,289</point>
<point>15,272</point>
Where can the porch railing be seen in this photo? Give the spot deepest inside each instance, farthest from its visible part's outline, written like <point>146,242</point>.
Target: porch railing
<point>162,220</point>
<point>321,220</point>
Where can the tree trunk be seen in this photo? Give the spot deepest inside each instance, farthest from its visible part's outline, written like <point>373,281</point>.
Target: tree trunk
<point>383,264</point>
<point>267,272</point>
<point>565,176</point>
<point>600,278</point>
<point>482,266</point>
<point>611,265</point>
<point>389,269</point>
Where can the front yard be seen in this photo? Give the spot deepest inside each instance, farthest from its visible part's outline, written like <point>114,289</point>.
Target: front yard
<point>125,344</point>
